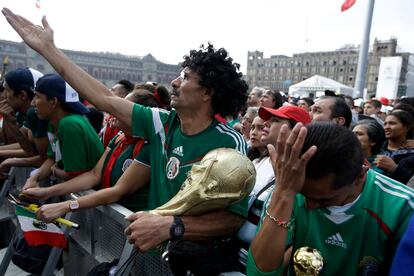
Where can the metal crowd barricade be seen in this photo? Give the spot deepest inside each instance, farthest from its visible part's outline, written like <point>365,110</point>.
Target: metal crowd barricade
<point>101,238</point>
<point>14,183</point>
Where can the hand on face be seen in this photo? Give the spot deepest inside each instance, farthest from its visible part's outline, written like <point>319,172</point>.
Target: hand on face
<point>289,165</point>
<point>7,111</point>
<point>37,37</point>
<point>147,231</point>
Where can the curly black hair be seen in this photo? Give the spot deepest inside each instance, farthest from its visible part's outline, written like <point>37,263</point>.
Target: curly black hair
<point>221,76</point>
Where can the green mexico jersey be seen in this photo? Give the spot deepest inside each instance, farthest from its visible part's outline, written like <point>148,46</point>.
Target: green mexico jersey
<point>353,241</point>
<point>74,146</point>
<point>36,125</point>
<point>137,201</point>
<point>173,153</point>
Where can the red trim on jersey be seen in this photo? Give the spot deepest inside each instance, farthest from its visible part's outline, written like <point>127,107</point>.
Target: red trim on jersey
<point>121,144</point>
<point>381,223</point>
<point>192,161</point>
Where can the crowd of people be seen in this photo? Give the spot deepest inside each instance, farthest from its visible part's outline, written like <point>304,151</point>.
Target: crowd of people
<point>332,178</point>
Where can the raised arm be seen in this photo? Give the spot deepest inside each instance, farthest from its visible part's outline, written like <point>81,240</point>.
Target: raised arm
<point>40,39</point>
<point>268,247</point>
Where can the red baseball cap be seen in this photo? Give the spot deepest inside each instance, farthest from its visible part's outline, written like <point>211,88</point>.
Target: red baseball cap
<point>384,100</point>
<point>294,113</point>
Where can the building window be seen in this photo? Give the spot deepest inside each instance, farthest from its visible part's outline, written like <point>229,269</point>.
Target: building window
<point>351,78</point>
<point>351,70</point>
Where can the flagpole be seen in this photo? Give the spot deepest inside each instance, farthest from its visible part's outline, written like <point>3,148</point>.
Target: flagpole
<point>363,53</point>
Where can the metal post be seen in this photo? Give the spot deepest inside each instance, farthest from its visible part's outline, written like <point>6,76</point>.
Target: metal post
<point>363,53</point>
<point>5,63</point>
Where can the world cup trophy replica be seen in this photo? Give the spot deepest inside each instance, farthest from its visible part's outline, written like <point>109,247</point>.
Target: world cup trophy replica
<point>223,177</point>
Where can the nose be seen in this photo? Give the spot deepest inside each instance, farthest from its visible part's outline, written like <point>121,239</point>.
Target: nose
<point>175,83</point>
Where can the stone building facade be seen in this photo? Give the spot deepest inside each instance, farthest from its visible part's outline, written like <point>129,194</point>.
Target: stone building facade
<point>279,71</point>
<point>106,67</point>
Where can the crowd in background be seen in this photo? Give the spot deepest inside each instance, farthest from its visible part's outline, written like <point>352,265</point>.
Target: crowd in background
<point>331,175</point>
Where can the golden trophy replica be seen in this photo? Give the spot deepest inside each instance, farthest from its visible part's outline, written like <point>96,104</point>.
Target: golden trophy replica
<point>307,261</point>
<point>223,177</point>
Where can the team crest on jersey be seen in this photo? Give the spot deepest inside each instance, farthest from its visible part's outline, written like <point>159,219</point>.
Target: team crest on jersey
<point>173,167</point>
<point>371,266</point>
<point>126,164</point>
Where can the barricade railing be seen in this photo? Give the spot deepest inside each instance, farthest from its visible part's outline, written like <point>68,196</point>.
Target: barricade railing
<point>14,183</point>
<point>101,238</point>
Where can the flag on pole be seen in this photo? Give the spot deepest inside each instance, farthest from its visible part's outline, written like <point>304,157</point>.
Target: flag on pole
<point>347,4</point>
<point>37,232</point>
<point>38,4</point>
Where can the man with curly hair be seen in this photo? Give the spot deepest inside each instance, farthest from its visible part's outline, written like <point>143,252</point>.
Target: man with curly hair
<point>209,84</point>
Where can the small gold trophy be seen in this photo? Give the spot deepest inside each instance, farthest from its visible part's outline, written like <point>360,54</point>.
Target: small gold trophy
<point>307,261</point>
<point>223,177</point>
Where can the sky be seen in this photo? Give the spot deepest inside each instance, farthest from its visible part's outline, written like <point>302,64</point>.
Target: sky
<point>168,29</point>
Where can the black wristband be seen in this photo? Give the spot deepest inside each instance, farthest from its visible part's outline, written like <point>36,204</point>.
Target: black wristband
<point>177,229</point>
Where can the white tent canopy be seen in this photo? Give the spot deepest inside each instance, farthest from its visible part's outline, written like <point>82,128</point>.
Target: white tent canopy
<point>319,83</point>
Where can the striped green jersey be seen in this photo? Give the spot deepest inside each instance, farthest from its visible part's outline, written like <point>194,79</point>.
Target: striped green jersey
<point>173,153</point>
<point>363,237</point>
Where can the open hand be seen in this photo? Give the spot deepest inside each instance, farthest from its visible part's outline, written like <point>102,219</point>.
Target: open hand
<point>288,163</point>
<point>37,37</point>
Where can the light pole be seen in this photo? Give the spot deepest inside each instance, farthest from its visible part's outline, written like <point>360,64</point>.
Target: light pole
<point>3,71</point>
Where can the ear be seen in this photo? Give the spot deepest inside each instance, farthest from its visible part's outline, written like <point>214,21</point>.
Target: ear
<point>360,180</point>
<point>54,102</point>
<point>207,94</point>
<point>23,95</point>
<point>340,121</point>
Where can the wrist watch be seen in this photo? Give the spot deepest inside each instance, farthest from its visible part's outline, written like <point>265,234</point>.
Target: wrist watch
<point>177,229</point>
<point>73,205</point>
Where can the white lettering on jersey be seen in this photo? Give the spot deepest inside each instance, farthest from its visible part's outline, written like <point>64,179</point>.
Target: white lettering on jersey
<point>337,240</point>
